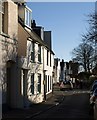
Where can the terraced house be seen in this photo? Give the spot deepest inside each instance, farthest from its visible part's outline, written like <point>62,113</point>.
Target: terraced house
<point>27,57</point>
<point>8,52</point>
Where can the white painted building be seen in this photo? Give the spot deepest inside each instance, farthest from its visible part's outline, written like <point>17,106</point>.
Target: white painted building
<point>56,70</point>
<point>48,67</point>
<point>38,62</point>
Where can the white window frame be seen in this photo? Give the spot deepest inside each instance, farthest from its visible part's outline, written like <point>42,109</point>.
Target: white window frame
<point>29,17</point>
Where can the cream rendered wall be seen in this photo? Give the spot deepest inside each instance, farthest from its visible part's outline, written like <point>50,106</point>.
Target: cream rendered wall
<point>11,19</point>
<point>22,41</point>
<point>9,49</point>
<point>9,52</point>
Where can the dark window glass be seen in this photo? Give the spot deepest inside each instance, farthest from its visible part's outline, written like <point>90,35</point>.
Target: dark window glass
<point>39,53</point>
<point>32,53</point>
<point>39,83</point>
<point>32,83</point>
<point>47,56</point>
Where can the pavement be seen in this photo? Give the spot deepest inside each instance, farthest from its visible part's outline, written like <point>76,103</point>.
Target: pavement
<point>36,109</point>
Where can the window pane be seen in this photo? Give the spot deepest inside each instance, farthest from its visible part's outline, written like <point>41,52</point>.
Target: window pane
<point>39,83</point>
<point>39,53</point>
<point>47,56</point>
<point>50,59</point>
<point>32,56</point>
<point>32,52</point>
<point>32,83</point>
<point>48,83</point>
<point>32,46</point>
<point>28,18</point>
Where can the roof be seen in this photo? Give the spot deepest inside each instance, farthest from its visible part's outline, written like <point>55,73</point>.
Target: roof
<point>34,36</point>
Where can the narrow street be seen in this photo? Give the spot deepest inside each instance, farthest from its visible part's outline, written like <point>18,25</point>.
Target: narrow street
<point>74,106</point>
<point>67,105</point>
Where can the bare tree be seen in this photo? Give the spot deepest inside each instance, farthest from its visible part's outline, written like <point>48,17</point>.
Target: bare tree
<point>84,55</point>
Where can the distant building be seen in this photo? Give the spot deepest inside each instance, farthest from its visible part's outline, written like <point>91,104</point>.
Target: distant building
<point>62,71</point>
<point>56,71</point>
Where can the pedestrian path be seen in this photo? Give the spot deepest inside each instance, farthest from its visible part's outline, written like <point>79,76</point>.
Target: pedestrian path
<point>35,109</point>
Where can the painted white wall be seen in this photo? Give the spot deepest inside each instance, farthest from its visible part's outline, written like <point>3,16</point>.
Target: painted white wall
<point>36,68</point>
<point>58,71</point>
<point>48,68</point>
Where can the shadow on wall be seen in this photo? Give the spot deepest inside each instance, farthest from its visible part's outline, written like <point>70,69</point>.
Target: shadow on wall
<point>14,90</point>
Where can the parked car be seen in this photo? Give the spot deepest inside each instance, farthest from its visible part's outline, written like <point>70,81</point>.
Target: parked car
<point>66,85</point>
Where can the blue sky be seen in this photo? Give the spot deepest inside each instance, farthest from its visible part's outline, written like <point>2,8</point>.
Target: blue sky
<point>66,20</point>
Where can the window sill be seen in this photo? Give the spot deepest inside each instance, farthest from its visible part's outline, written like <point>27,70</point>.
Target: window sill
<point>5,35</point>
<point>31,94</point>
<point>35,62</point>
<point>27,26</point>
<point>32,61</point>
<point>39,62</point>
<point>38,93</point>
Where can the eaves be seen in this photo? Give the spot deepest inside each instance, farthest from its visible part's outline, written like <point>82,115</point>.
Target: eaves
<point>35,37</point>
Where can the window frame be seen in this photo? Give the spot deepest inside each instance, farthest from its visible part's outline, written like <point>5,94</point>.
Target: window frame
<point>28,17</point>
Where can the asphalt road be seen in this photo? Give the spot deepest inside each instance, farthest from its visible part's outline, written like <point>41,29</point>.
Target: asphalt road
<point>75,106</point>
